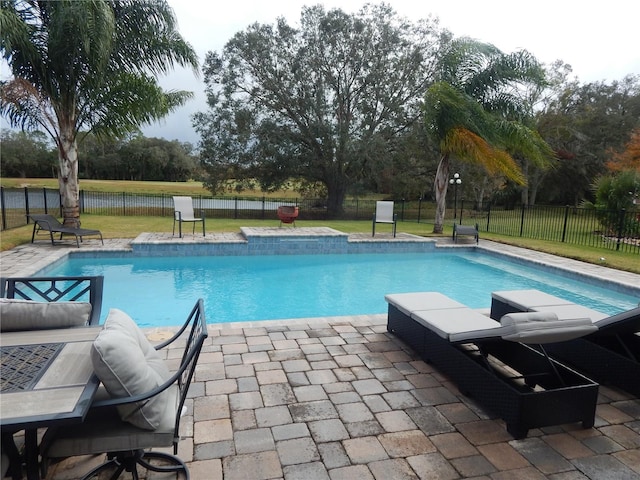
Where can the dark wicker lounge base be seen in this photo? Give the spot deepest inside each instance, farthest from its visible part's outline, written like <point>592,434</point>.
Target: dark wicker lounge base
<point>608,356</point>
<point>541,392</point>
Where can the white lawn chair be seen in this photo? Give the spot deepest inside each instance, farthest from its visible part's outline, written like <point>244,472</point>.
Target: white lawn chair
<point>384,214</point>
<point>183,212</point>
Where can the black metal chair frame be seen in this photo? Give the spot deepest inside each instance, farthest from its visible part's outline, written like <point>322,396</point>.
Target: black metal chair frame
<point>127,460</point>
<point>56,289</point>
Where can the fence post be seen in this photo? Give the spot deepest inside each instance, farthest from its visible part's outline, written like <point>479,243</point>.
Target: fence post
<point>620,228</point>
<point>4,211</point>
<point>26,200</point>
<point>44,198</point>
<point>488,215</point>
<point>461,207</point>
<point>522,220</point>
<point>566,219</point>
<point>263,207</point>
<point>419,208</point>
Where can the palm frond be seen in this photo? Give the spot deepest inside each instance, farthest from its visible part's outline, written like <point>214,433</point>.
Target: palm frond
<point>470,147</point>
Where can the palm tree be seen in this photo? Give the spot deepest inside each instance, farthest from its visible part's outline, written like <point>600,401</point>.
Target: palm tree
<point>477,113</point>
<point>88,66</point>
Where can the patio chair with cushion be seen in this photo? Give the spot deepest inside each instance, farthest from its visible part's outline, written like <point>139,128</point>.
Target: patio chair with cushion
<point>33,303</point>
<point>610,355</point>
<point>494,362</point>
<point>142,404</point>
<point>384,214</point>
<point>49,223</point>
<point>184,213</point>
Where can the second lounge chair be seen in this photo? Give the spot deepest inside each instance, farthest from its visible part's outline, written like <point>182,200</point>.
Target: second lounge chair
<point>610,355</point>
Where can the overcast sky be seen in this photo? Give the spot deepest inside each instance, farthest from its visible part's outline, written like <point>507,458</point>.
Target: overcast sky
<point>599,40</point>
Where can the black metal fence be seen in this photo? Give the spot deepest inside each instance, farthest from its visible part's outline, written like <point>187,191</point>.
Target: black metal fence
<point>581,226</point>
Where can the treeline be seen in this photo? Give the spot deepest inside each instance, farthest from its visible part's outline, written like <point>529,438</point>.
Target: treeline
<point>589,125</point>
<point>31,155</point>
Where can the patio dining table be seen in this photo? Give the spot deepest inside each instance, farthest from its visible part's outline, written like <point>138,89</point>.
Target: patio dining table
<point>47,380</point>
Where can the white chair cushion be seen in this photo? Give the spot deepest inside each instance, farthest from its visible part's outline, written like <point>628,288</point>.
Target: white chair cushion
<point>127,364</point>
<point>543,327</point>
<point>16,314</point>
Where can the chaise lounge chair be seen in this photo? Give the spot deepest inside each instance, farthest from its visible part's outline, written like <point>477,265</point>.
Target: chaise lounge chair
<point>610,355</point>
<point>50,224</point>
<point>465,230</point>
<point>493,362</point>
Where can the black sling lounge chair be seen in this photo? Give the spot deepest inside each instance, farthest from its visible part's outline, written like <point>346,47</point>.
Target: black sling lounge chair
<point>493,362</point>
<point>610,355</point>
<point>49,223</point>
<point>467,230</point>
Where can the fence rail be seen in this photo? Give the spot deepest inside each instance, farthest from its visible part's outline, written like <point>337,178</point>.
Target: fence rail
<point>581,226</point>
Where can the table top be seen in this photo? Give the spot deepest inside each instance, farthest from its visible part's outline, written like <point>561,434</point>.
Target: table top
<point>47,377</point>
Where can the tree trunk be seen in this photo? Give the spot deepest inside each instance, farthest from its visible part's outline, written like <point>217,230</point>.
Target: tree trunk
<point>68,179</point>
<point>336,191</point>
<point>440,187</point>
<point>480,193</point>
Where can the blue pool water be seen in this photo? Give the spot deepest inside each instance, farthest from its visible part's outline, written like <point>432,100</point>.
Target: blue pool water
<point>160,291</point>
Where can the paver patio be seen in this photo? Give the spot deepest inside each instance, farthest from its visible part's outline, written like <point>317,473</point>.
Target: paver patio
<point>341,398</point>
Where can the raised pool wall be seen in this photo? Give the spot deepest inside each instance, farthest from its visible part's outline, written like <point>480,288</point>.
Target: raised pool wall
<point>255,241</point>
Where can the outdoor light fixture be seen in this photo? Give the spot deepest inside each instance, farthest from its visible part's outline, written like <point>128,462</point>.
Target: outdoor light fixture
<point>455,181</point>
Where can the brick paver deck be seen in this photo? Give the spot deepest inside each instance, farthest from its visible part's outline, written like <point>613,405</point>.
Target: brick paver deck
<point>341,398</point>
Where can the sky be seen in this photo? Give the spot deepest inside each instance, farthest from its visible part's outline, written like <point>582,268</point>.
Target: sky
<point>599,40</point>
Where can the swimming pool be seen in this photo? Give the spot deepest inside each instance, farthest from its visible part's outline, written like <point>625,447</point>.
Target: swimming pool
<point>160,291</point>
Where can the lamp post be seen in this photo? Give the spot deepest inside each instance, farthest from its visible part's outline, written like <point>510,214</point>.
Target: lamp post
<point>455,181</point>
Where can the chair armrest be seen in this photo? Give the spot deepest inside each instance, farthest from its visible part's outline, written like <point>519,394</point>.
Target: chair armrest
<point>198,309</point>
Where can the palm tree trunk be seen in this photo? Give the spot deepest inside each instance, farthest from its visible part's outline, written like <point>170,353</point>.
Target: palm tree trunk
<point>68,179</point>
<point>440,187</point>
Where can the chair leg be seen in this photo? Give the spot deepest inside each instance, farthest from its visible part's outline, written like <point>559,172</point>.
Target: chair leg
<point>159,462</point>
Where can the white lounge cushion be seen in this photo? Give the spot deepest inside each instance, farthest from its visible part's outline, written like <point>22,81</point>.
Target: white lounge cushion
<point>573,310</point>
<point>464,325</point>
<point>527,299</point>
<point>414,301</point>
<point>16,314</point>
<point>127,364</point>
<point>458,324</point>
<point>543,327</point>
